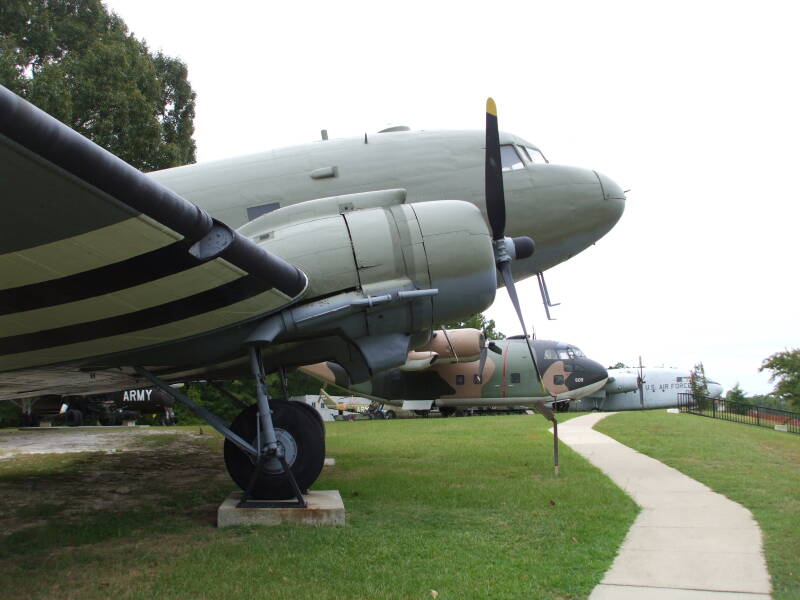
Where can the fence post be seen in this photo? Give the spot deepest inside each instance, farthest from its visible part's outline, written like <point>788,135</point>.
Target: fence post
<point>758,417</point>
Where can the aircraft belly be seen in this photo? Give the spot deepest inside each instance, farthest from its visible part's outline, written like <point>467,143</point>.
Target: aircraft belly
<point>466,402</point>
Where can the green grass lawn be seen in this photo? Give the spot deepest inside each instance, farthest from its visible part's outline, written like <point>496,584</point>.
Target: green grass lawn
<point>758,468</point>
<point>467,507</point>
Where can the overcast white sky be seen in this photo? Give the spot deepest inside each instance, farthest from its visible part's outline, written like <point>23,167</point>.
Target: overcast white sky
<point>692,105</point>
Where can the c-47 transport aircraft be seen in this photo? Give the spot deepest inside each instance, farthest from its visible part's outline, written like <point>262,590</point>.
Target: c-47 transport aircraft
<point>111,280</point>
<point>457,369</point>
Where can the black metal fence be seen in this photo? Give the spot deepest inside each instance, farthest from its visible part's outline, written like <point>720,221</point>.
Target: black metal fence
<point>739,412</point>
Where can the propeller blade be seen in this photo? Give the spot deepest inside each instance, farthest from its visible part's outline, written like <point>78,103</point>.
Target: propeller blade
<point>495,197</point>
<point>482,364</point>
<point>641,383</point>
<point>508,279</point>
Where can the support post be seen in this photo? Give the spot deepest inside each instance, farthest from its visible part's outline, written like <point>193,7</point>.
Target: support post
<point>555,445</point>
<point>550,416</point>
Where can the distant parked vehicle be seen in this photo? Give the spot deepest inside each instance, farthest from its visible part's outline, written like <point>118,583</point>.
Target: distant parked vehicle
<point>114,408</point>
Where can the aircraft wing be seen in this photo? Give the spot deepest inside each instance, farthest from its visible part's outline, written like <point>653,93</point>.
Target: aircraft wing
<point>97,260</point>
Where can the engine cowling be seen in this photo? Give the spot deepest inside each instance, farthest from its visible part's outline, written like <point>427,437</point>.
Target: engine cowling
<point>456,345</point>
<point>622,382</point>
<point>381,273</point>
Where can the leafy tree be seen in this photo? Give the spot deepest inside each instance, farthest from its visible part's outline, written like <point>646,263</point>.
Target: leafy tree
<point>738,402</point>
<point>478,321</point>
<point>74,60</point>
<point>698,381</point>
<point>207,395</point>
<point>736,394</point>
<point>785,368</point>
<point>619,365</point>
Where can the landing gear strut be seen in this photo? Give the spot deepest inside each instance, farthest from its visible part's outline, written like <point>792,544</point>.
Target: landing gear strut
<point>273,449</point>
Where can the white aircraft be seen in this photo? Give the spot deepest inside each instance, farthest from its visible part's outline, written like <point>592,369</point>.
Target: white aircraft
<point>641,388</point>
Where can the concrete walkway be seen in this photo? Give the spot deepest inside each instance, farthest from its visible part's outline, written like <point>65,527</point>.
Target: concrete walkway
<point>687,543</point>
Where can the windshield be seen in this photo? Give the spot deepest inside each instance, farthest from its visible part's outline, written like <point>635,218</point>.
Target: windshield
<point>534,155</point>
<point>510,158</point>
<point>569,352</point>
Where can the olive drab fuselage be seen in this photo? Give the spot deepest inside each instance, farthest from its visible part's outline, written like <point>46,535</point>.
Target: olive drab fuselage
<point>563,209</point>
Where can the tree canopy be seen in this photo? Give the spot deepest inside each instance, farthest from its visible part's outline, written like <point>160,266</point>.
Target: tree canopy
<point>76,61</point>
<point>478,321</point>
<point>785,370</point>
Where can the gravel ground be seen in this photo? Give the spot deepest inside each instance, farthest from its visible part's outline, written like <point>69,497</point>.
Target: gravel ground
<point>81,439</point>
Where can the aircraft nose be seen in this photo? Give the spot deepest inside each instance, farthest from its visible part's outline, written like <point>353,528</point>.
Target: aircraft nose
<point>595,372</point>
<point>612,194</point>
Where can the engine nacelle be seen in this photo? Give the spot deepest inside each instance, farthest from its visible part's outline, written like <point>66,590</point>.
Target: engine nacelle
<point>456,345</point>
<point>623,382</point>
<point>419,361</point>
<point>382,274</point>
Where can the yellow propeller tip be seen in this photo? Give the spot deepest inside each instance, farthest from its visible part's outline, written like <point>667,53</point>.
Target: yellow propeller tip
<point>490,107</point>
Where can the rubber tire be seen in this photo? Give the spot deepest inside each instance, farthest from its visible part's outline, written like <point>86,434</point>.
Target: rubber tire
<point>74,418</point>
<point>390,414</point>
<point>308,435</point>
<point>314,413</point>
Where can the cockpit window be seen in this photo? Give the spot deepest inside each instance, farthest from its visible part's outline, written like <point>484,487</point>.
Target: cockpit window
<point>569,352</point>
<point>510,159</point>
<point>534,155</point>
<point>550,354</point>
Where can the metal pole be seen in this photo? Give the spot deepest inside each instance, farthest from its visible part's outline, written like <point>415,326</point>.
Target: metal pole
<point>555,444</point>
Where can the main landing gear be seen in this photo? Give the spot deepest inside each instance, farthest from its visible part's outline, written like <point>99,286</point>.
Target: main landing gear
<point>274,449</point>
<point>300,438</point>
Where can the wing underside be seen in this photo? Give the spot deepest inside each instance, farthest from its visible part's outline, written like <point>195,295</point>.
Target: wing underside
<point>97,260</point>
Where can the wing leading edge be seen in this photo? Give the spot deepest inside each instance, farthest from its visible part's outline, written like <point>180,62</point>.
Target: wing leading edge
<point>97,260</point>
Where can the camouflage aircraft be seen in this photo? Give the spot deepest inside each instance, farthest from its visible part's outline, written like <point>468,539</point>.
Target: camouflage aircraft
<point>457,369</point>
<point>111,278</point>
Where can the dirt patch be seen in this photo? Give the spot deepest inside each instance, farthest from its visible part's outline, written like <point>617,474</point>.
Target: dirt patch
<point>60,441</point>
<point>136,471</point>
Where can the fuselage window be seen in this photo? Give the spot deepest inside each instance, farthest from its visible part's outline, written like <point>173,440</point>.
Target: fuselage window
<point>515,378</point>
<point>509,158</point>
<point>558,379</point>
<point>459,380</point>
